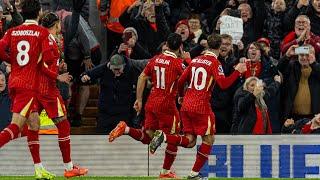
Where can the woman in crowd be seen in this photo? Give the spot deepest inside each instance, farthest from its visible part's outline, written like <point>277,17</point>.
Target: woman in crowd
<point>252,109</point>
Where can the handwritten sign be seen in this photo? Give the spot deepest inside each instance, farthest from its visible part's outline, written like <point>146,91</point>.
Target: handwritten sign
<point>232,26</point>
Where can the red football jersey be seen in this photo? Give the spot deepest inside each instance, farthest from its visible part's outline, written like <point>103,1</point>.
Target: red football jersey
<point>201,74</point>
<point>253,69</point>
<point>164,70</point>
<point>49,72</point>
<point>25,44</point>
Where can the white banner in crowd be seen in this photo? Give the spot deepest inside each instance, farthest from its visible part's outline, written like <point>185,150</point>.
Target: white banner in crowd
<point>232,26</point>
<point>278,156</point>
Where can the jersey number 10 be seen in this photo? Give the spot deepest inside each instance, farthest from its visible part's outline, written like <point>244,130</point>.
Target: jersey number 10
<point>195,77</point>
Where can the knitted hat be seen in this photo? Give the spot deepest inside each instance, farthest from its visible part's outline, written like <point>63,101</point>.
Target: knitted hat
<point>116,62</point>
<point>264,40</point>
<point>185,22</point>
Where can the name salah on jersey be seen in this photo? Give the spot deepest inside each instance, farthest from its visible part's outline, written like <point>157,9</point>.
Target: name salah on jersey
<point>25,33</point>
<point>163,61</point>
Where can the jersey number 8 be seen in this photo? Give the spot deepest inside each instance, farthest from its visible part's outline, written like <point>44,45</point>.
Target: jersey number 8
<point>23,48</point>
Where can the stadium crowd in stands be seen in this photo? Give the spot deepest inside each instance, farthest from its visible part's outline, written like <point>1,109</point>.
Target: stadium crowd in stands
<point>279,92</point>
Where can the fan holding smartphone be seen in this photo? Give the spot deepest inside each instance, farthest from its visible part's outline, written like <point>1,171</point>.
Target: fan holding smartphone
<point>129,37</point>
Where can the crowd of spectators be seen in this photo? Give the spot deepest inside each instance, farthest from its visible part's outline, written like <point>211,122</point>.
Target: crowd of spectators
<point>279,92</point>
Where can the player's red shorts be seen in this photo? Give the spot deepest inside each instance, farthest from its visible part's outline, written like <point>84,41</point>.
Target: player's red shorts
<point>22,101</point>
<point>198,124</point>
<point>168,123</point>
<point>53,105</point>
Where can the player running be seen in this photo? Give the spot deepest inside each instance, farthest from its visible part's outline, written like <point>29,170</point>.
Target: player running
<point>30,47</point>
<point>160,110</point>
<point>25,43</point>
<point>196,113</point>
<point>49,98</point>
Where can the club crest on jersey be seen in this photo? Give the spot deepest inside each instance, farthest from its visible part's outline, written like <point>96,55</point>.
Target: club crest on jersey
<point>220,70</point>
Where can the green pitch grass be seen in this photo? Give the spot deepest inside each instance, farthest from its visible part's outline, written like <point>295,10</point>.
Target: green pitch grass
<point>126,178</point>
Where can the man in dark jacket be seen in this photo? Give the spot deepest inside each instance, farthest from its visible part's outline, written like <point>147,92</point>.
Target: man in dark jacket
<point>117,81</point>
<point>153,28</point>
<point>253,21</point>
<point>222,100</point>
<point>301,84</point>
<point>5,103</point>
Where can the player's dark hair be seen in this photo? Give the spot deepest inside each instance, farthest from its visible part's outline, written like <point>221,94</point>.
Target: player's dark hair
<point>30,9</point>
<point>214,41</point>
<point>174,41</point>
<point>49,19</point>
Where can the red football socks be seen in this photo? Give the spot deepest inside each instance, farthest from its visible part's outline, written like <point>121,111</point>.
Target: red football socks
<point>10,132</point>
<point>170,156</point>
<point>177,140</point>
<point>64,140</point>
<point>139,135</point>
<point>34,145</point>
<point>202,157</point>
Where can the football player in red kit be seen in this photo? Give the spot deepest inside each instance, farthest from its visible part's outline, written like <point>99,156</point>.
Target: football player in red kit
<point>49,98</point>
<point>25,43</point>
<point>31,47</point>
<point>197,117</point>
<point>161,112</point>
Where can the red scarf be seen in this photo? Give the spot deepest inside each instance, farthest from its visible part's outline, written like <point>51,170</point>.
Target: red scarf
<point>258,127</point>
<point>306,129</point>
<point>154,26</point>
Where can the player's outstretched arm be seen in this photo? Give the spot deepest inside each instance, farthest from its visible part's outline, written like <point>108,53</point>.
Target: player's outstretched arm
<point>226,82</point>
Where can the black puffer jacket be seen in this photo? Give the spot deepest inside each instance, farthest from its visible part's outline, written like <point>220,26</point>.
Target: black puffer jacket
<point>253,28</point>
<point>275,30</point>
<point>314,21</point>
<point>222,100</point>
